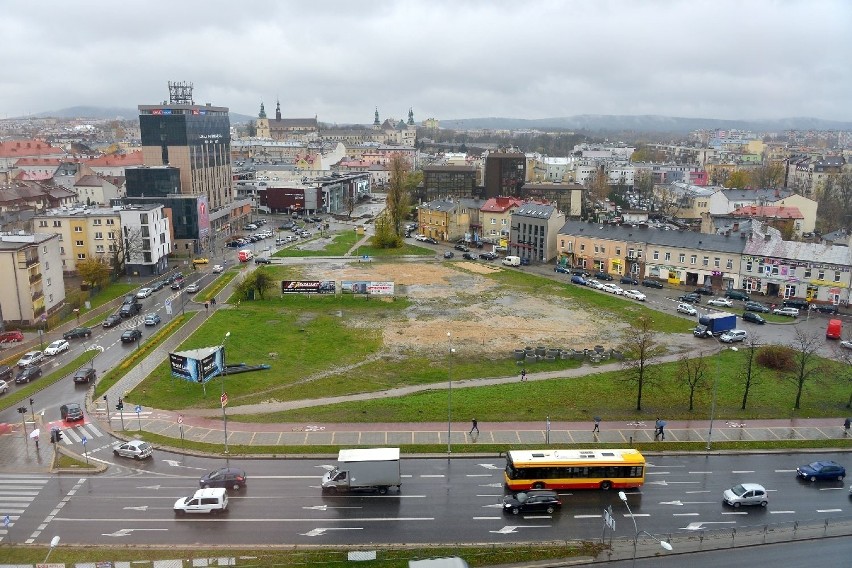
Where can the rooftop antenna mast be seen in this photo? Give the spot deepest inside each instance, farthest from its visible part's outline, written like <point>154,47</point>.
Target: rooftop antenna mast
<point>180,93</point>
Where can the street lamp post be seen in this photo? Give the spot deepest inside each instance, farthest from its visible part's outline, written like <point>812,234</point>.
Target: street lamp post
<point>53,544</point>
<point>224,398</point>
<point>449,394</point>
<point>713,403</point>
<point>637,532</point>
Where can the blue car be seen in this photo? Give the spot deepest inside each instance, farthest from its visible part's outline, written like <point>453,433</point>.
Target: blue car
<point>577,279</point>
<point>562,269</point>
<point>821,470</point>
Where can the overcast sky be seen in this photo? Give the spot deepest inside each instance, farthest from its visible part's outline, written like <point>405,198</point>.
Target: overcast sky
<point>445,59</point>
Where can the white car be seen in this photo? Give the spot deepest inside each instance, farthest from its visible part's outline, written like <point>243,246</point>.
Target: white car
<point>745,494</point>
<point>30,358</point>
<point>218,268</point>
<point>419,237</point>
<point>612,289</point>
<point>635,295</point>
<point>594,284</point>
<point>720,302</point>
<point>4,387</point>
<point>57,347</point>
<point>192,288</point>
<point>733,335</point>
<point>846,343</point>
<point>687,309</point>
<point>144,293</point>
<point>792,312</point>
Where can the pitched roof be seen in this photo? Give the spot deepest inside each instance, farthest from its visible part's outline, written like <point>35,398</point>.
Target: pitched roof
<point>500,204</point>
<point>645,234</point>
<point>30,161</point>
<point>767,212</point>
<point>133,158</point>
<point>33,147</point>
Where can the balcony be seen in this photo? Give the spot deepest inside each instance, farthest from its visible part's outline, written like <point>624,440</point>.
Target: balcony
<point>35,278</point>
<point>27,262</point>
<point>37,294</point>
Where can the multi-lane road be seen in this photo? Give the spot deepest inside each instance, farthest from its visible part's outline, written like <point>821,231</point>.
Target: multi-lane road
<point>441,501</point>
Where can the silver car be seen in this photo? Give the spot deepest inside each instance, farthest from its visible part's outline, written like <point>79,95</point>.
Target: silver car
<point>136,449</point>
<point>745,494</point>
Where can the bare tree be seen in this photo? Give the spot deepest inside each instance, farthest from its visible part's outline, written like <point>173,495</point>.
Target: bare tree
<point>126,246</point>
<point>398,196</point>
<point>643,185</point>
<point>750,369</point>
<point>844,356</point>
<point>835,201</point>
<point>768,176</point>
<point>349,205</point>
<point>693,371</point>
<point>806,361</point>
<point>640,348</point>
<point>599,185</point>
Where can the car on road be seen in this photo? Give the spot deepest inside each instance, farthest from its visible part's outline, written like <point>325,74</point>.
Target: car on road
<point>193,288</point>
<point>733,335</point>
<point>71,412</point>
<point>10,336</point>
<point>159,285</point>
<point>112,320</point>
<point>131,335</point>
<point>6,372</point>
<point>756,307</point>
<point>214,500</point>
<point>612,289</point>
<point>737,295</point>
<point>790,312</point>
<point>629,280</point>
<point>200,261</point>
<point>462,248</point>
<point>705,291</point>
<point>581,272</point>
<point>846,343</point>
<point>85,375</point>
<point>419,237</point>
<point>27,374</point>
<point>449,254</point>
<point>635,295</point>
<point>592,283</point>
<point>144,293</point>
<point>468,256</point>
<point>4,387</point>
<point>753,317</point>
<point>152,319</point>
<point>821,471</point>
<point>488,256</point>
<point>129,310</point>
<point>227,477</point>
<point>136,449</point>
<point>30,358</point>
<point>690,297</point>
<point>539,501</point>
<point>430,240</point>
<point>561,269</point>
<point>262,260</point>
<point>745,494</point>
<point>57,347</point>
<point>720,302</point>
<point>177,284</point>
<point>603,276</point>
<point>217,268</point>
<point>687,309</point>
<point>77,332</point>
<point>652,283</point>
<point>577,279</point>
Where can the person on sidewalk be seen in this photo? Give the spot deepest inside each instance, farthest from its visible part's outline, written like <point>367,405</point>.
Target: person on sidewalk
<point>659,434</point>
<point>597,427</point>
<point>213,301</point>
<point>475,426</point>
<point>523,375</point>
<point>846,424</point>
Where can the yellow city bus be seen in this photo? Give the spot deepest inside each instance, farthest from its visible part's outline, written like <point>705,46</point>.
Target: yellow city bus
<point>574,469</point>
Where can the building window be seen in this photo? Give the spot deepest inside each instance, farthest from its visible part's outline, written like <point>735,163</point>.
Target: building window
<point>42,223</point>
<point>748,266</point>
<point>717,262</point>
<point>693,259</point>
<point>110,221</point>
<point>96,221</point>
<point>630,253</point>
<point>99,236</point>
<point>667,257</point>
<point>81,256</point>
<point>50,298</point>
<point>821,274</point>
<point>807,272</point>
<point>706,261</point>
<point>656,255</point>
<point>78,229</point>
<point>79,243</point>
<point>48,282</point>
<point>617,251</point>
<point>61,250</point>
<point>57,223</point>
<point>47,266</point>
<point>582,248</point>
<point>99,248</point>
<point>681,258</point>
<point>111,235</point>
<point>730,264</point>
<point>603,250</point>
<point>493,221</point>
<point>597,249</point>
<point>837,276</point>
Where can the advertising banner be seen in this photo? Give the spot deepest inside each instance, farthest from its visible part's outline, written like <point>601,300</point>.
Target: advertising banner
<point>183,367</point>
<point>367,287</point>
<point>198,365</point>
<point>212,364</point>
<point>308,287</point>
<point>203,217</point>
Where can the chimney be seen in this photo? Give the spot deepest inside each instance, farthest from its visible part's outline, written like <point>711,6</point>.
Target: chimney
<point>767,237</point>
<point>736,226</point>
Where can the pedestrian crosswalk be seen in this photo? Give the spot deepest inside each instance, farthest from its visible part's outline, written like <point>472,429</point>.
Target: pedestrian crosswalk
<point>74,434</point>
<point>17,492</point>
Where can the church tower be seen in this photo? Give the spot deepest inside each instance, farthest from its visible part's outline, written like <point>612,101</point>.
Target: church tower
<point>278,110</point>
<point>376,122</point>
<point>262,123</point>
<point>410,117</point>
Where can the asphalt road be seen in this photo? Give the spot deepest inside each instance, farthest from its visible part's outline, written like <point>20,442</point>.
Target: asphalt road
<point>441,501</point>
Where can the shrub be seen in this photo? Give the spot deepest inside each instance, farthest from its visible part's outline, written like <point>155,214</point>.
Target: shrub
<point>777,357</point>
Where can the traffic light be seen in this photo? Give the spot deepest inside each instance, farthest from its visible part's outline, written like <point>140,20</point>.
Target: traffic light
<point>53,436</point>
<point>105,398</point>
<point>59,435</point>
<point>22,410</point>
<point>32,402</point>
<point>120,405</point>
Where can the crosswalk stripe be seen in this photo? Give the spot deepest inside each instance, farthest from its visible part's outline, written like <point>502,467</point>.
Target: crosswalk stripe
<point>10,498</point>
<point>27,480</point>
<point>33,493</point>
<point>70,437</point>
<point>129,415</point>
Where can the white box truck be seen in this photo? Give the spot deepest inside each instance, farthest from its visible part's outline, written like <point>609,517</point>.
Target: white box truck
<point>512,261</point>
<point>373,469</point>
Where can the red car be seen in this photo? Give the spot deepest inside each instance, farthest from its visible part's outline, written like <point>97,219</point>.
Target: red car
<point>9,336</point>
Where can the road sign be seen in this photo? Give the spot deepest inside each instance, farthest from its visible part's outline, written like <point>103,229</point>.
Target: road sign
<point>138,408</point>
<point>6,521</point>
<point>609,520</point>
<point>168,304</point>
<point>224,399</point>
<point>84,440</point>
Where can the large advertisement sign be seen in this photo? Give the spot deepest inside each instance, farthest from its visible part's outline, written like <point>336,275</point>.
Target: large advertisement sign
<point>198,365</point>
<point>183,367</point>
<point>203,217</point>
<point>308,287</point>
<point>367,287</point>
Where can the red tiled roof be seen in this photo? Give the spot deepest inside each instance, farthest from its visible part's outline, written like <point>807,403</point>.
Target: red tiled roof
<point>768,211</point>
<point>39,162</point>
<point>501,204</point>
<point>132,159</point>
<point>33,176</point>
<point>12,148</point>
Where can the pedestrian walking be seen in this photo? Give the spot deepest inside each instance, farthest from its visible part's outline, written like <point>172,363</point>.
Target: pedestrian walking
<point>659,433</point>
<point>846,424</point>
<point>597,427</point>
<point>207,306</point>
<point>475,426</point>
<point>523,375</point>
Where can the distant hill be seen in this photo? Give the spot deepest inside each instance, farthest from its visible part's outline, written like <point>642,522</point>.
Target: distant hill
<point>114,113</point>
<point>643,123</point>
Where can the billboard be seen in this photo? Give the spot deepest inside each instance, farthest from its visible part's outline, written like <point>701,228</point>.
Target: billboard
<point>367,287</point>
<point>308,287</point>
<point>198,365</point>
<point>203,217</point>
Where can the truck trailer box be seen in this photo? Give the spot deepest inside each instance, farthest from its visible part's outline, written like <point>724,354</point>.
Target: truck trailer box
<point>719,322</point>
<point>371,469</point>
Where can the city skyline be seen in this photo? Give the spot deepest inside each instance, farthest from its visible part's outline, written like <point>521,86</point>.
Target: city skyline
<point>447,60</point>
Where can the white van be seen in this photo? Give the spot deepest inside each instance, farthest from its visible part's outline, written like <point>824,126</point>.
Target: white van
<point>512,261</point>
<point>211,500</point>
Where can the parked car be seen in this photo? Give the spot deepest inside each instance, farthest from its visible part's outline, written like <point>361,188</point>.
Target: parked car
<point>6,372</point>
<point>136,449</point>
<point>561,269</point>
<point>468,256</point>
<point>430,240</point>
<point>262,260</point>
<point>158,285</point>
<point>652,283</point>
<point>488,256</point>
<point>737,295</point>
<point>756,307</point>
<point>581,272</point>
<point>705,291</point>
<point>131,335</point>
<point>200,260</point>
<point>603,276</point>
<point>57,347</point>
<point>152,319</point>
<point>77,332</point>
<point>85,375</point>
<point>461,248</point>
<point>538,501</point>
<point>720,302</point>
<point>30,358</point>
<point>745,494</point>
<point>449,254</point>
<point>733,335</point>
<point>112,320</point>
<point>687,309</point>
<point>846,343</point>
<point>629,280</point>
<point>227,477</point>
<point>822,471</point>
<point>702,331</point>
<point>612,289</point>
<point>635,295</point>
<point>4,387</point>
<point>798,303</point>
<point>10,336</point>
<point>144,293</point>
<point>577,279</point>
<point>592,283</point>
<point>27,374</point>
<point>790,312</point>
<point>690,297</point>
<point>824,308</point>
<point>753,317</point>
